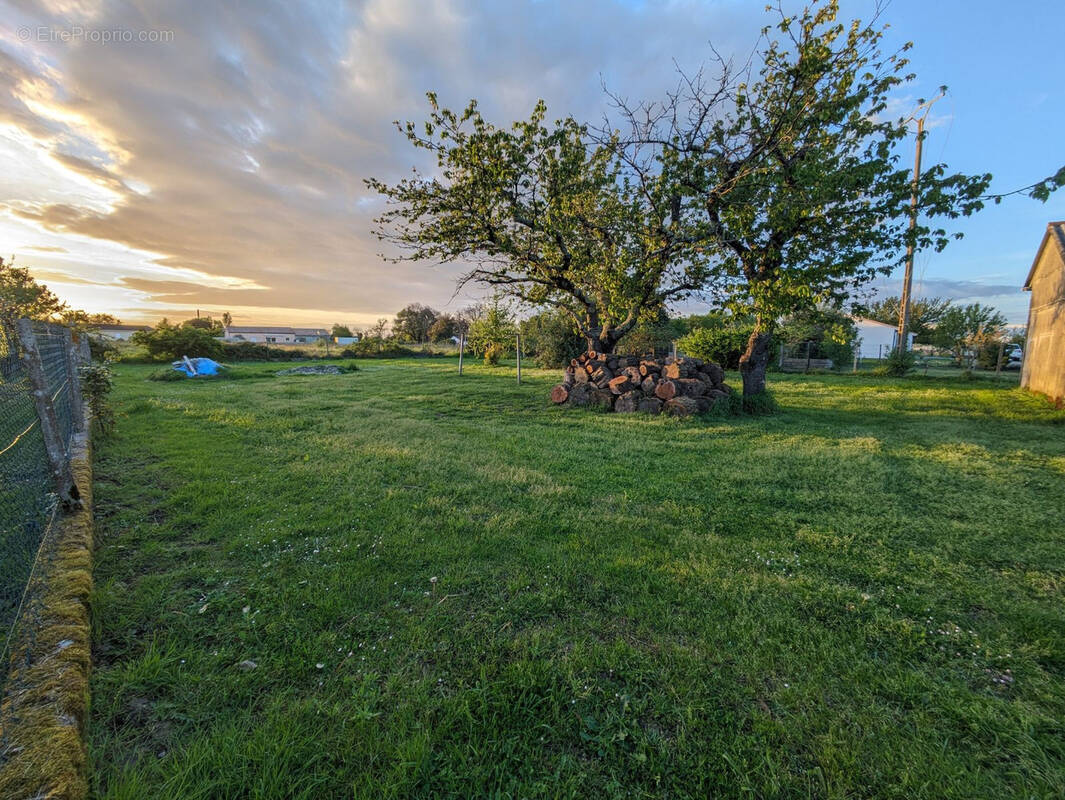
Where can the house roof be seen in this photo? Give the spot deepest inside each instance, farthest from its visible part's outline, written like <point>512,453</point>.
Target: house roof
<point>1055,231</point>
<point>277,329</point>
<point>124,328</point>
<point>874,322</point>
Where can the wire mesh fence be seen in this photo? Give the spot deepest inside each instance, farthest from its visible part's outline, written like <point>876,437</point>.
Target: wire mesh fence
<point>28,498</point>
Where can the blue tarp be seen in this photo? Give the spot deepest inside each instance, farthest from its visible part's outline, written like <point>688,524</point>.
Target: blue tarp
<point>196,367</point>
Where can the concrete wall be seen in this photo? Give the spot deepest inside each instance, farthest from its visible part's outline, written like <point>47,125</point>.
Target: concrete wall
<point>1044,357</point>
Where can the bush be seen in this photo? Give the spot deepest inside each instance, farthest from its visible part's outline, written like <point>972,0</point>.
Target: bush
<point>896,364</point>
<point>97,381</point>
<point>492,353</point>
<point>369,349</point>
<point>167,375</point>
<point>169,342</point>
<point>253,351</point>
<point>552,339</point>
<point>492,331</point>
<point>721,345</point>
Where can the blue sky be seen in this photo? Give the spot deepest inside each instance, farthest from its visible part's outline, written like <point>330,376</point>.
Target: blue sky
<point>1004,66</point>
<point>214,159</point>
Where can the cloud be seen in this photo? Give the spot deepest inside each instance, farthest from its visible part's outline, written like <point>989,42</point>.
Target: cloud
<point>236,151</point>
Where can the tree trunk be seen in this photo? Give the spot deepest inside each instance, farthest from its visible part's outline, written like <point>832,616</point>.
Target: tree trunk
<point>754,361</point>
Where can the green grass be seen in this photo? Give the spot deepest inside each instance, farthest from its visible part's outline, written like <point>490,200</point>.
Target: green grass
<point>861,596</point>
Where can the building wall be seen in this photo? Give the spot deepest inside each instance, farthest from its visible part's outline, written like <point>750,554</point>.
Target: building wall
<point>262,338</point>
<point>876,341</point>
<point>121,336</point>
<point>1044,357</point>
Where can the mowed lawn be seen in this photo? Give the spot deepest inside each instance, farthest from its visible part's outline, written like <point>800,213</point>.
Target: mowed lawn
<point>405,583</point>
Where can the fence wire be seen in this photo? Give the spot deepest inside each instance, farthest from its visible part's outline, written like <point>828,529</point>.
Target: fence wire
<point>27,497</point>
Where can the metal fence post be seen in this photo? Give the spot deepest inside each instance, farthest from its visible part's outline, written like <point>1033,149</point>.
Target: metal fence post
<point>462,347</point>
<point>77,409</point>
<point>58,459</point>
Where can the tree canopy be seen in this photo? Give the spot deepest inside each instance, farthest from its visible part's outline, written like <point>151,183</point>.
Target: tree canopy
<point>414,322</point>
<point>925,314</point>
<point>544,215</point>
<point>794,170</point>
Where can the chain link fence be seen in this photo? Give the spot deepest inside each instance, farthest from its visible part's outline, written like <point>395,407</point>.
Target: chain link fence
<point>29,501</point>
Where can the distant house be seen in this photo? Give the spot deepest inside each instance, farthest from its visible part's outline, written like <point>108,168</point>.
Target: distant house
<point>274,334</point>
<point>1044,356</point>
<point>346,339</point>
<point>121,332</point>
<point>876,339</point>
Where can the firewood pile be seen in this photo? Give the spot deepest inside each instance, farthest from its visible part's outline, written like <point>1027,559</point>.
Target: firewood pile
<point>676,386</point>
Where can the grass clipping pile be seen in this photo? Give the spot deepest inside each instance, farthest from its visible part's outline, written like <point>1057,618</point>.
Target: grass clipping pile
<point>679,387</point>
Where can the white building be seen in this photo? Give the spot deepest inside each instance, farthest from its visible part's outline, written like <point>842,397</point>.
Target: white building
<point>121,332</point>
<point>876,339</point>
<point>274,334</point>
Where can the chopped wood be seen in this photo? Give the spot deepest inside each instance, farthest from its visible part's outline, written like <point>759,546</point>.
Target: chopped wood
<point>559,394</point>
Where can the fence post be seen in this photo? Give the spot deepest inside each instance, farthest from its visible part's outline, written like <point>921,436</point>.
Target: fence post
<point>65,487</point>
<point>998,364</point>
<point>77,409</point>
<point>462,347</point>
<point>517,348</point>
<point>780,363</point>
<point>808,343</point>
<point>855,368</point>
<point>674,349</point>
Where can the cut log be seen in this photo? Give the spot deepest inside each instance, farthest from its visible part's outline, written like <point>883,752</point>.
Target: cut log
<point>648,384</point>
<point>628,402</point>
<point>691,387</point>
<point>620,385</point>
<point>678,369</point>
<point>601,399</point>
<point>715,373</point>
<point>604,374</point>
<point>634,374</point>
<point>580,376</point>
<point>666,389</point>
<point>560,394</point>
<point>650,368</point>
<point>650,405</point>
<point>681,406</point>
<point>581,394</point>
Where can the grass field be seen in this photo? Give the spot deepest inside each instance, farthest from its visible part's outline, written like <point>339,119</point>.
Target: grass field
<point>449,588</point>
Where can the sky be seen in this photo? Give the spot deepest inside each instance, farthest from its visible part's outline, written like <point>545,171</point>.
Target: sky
<point>160,157</point>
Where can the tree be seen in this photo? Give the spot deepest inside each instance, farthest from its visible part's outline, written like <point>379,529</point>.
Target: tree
<point>170,342</point>
<point>794,173</point>
<point>341,331</point>
<point>492,333</point>
<point>925,314</point>
<point>445,327</point>
<point>413,323</point>
<point>227,320</point>
<point>973,326</point>
<point>22,296</point>
<point>212,326</point>
<point>546,216</point>
<point>79,320</point>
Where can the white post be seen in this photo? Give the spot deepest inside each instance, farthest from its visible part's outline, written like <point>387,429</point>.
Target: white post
<point>462,346</point>
<point>517,347</point>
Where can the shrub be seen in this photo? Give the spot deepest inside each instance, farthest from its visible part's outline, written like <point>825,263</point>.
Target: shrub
<point>494,330</point>
<point>167,375</point>
<point>721,345</point>
<point>169,342</point>
<point>552,338</point>
<point>492,353</point>
<point>97,381</point>
<point>896,364</point>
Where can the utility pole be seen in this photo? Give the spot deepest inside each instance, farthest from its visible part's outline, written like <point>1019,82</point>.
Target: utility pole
<point>907,281</point>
